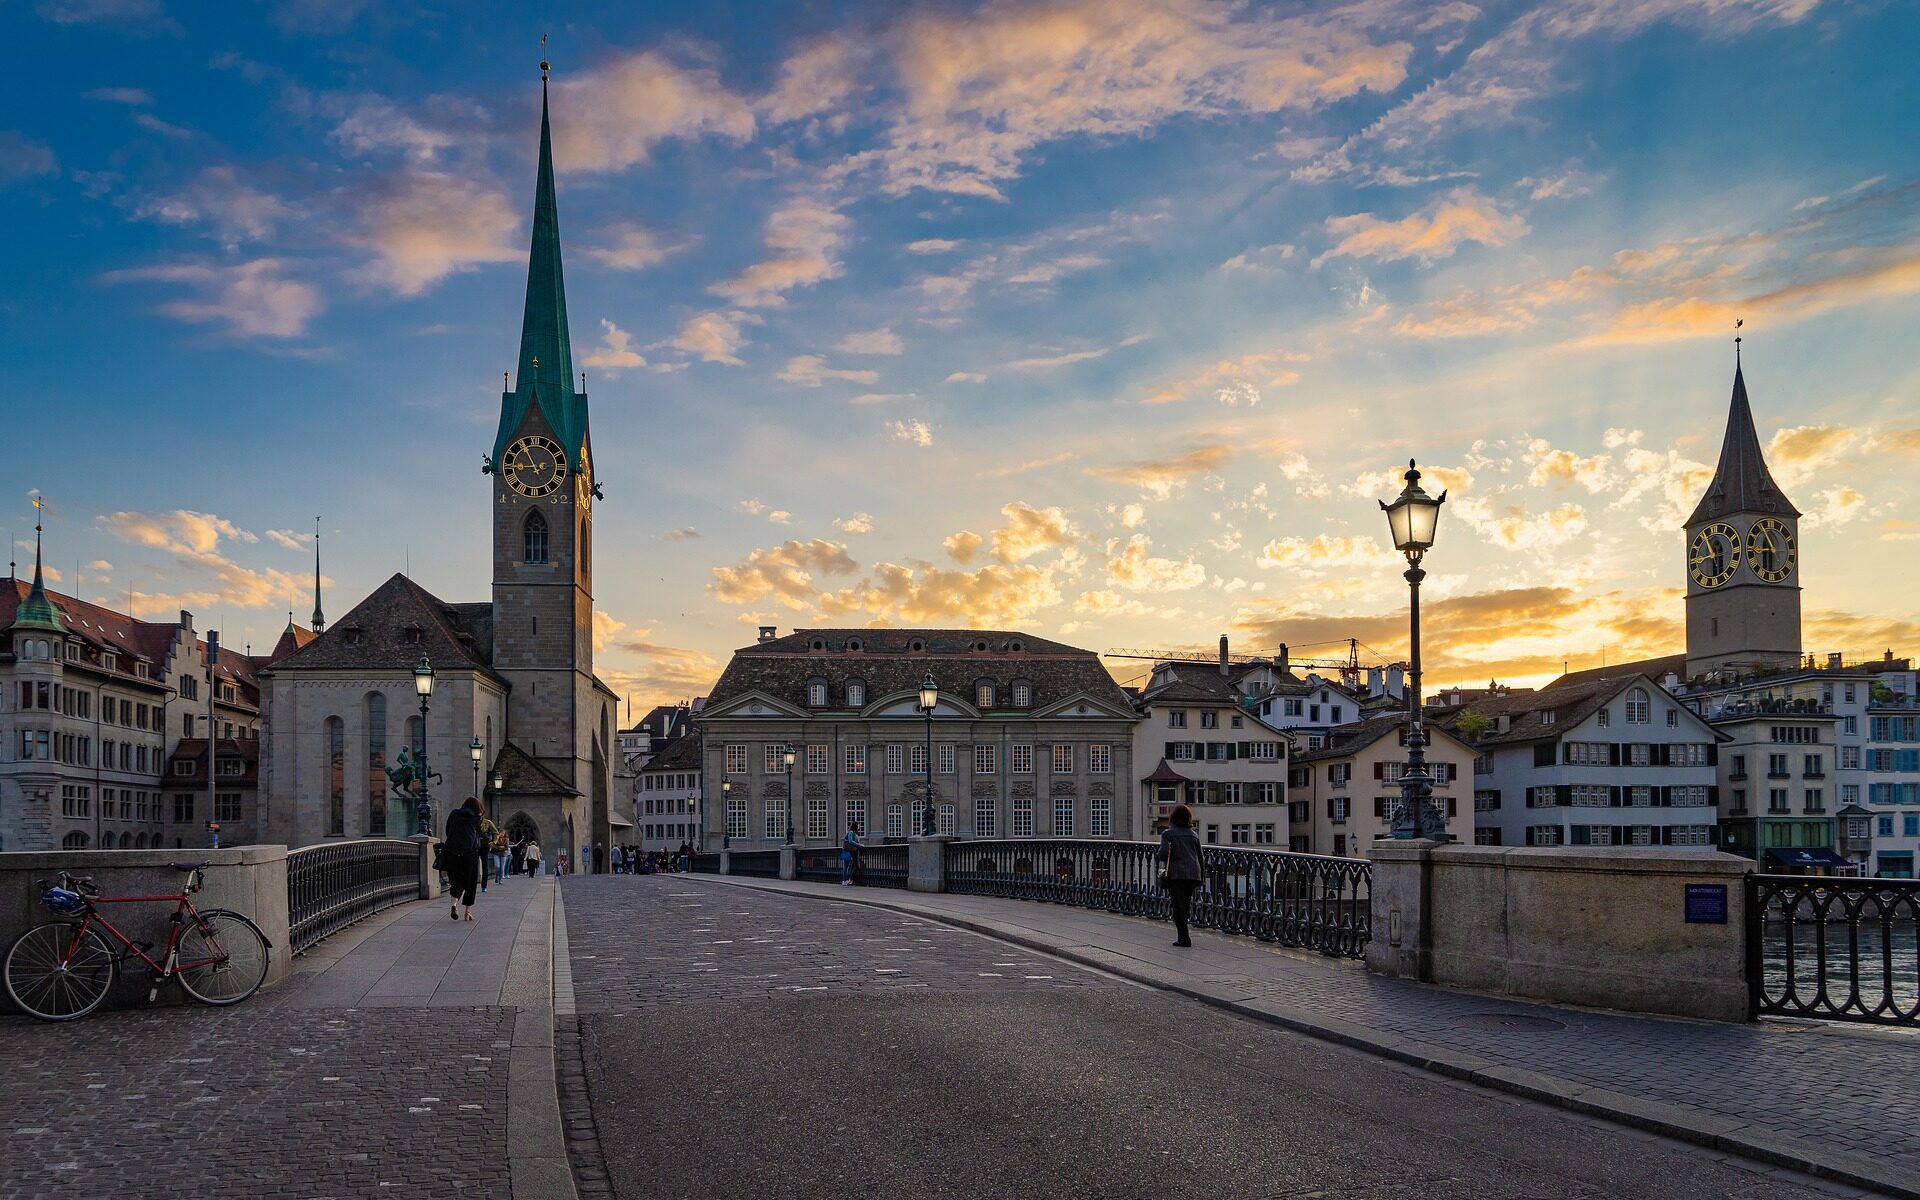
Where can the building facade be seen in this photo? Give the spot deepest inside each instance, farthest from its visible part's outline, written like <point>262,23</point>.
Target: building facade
<point>666,801</point>
<point>1345,793</point>
<point>1201,743</point>
<point>1776,799</point>
<point>1028,738</point>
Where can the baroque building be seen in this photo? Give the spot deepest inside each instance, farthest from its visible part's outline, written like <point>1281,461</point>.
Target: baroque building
<point>513,674</point>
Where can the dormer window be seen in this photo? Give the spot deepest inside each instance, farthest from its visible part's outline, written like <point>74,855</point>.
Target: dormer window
<point>855,645</point>
<point>816,693</point>
<point>916,646</point>
<point>983,694</point>
<point>413,634</point>
<point>817,644</point>
<point>856,693</point>
<point>353,634</point>
<point>979,646</point>
<point>1022,694</point>
<point>1016,646</point>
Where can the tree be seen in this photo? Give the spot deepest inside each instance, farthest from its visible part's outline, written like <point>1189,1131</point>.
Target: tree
<point>1471,724</point>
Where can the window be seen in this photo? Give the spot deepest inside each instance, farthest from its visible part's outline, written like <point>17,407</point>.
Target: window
<point>1543,835</point>
<point>232,766</point>
<point>856,693</point>
<point>1910,824</point>
<point>1815,766</point>
<point>1022,694</point>
<point>736,815</point>
<point>1263,835</point>
<point>917,760</point>
<point>818,761</point>
<point>226,806</point>
<point>1062,758</point>
<point>1673,718</point>
<point>1692,835</point>
<point>1266,793</point>
<point>1229,793</point>
<point>774,759</point>
<point>1183,751</point>
<point>816,693</point>
<point>1240,835</point>
<point>817,825</point>
<point>985,820</point>
<point>1100,759</point>
<point>1600,718</point>
<point>1776,766</point>
<point>1263,751</point>
<point>983,695</point>
<point>896,758</point>
<point>1849,758</point>
<point>1639,707</point>
<point>74,841</point>
<point>982,760</point>
<point>1338,774</point>
<point>943,820</point>
<point>856,760</point>
<point>1023,816</point>
<point>1100,816</point>
<point>946,758</point>
<point>1022,760</point>
<point>1176,719</point>
<point>736,761</point>
<point>182,807</point>
<point>182,766</point>
<point>1777,800</point>
<point>1816,800</point>
<point>776,824</point>
<point>896,819</point>
<point>1209,720</point>
<point>336,735</point>
<point>1338,808</point>
<point>1063,816</point>
<point>1488,801</point>
<point>533,539</point>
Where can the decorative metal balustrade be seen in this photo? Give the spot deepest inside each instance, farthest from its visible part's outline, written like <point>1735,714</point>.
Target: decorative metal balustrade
<point>331,886</point>
<point>881,866</point>
<point>763,863</point>
<point>1834,949</point>
<point>1307,900</point>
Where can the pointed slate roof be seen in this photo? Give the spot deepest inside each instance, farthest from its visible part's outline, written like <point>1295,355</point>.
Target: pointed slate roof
<point>36,611</point>
<point>545,376</point>
<point>522,775</point>
<point>389,630</point>
<point>1741,483</point>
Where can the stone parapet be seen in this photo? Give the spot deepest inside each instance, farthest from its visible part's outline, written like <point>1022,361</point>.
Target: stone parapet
<point>926,863</point>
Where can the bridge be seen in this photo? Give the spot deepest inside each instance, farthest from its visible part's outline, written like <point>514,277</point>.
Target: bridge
<point>1026,1029</point>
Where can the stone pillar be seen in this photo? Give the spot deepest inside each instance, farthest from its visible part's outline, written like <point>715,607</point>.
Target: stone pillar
<point>726,862</point>
<point>429,878</point>
<point>1401,944</point>
<point>926,863</point>
<point>789,862</point>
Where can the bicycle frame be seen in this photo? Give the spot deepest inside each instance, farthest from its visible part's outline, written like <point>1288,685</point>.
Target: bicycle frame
<point>169,964</point>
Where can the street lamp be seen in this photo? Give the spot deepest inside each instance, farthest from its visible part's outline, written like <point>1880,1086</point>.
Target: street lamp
<point>475,751</point>
<point>929,700</point>
<point>1413,517</point>
<point>423,804</point>
<point>726,814</point>
<point>789,757</point>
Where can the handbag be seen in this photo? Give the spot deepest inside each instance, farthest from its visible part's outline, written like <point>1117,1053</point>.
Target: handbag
<point>440,856</point>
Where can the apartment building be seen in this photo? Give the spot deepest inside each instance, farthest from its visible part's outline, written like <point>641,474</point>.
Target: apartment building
<point>1344,795</point>
<point>1201,743</point>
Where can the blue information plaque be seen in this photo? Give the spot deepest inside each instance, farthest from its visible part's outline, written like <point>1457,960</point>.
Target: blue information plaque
<point>1706,904</point>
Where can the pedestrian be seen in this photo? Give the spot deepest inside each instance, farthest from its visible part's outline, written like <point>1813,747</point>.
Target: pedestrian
<point>849,846</point>
<point>1180,852</point>
<point>686,856</point>
<point>497,856</point>
<point>461,854</point>
<point>488,831</point>
<point>599,858</point>
<point>517,857</point>
<point>532,854</point>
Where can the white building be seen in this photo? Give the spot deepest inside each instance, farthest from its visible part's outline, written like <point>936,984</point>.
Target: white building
<point>1200,743</point>
<point>666,801</point>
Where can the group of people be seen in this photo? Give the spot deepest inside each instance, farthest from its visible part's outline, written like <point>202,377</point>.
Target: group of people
<point>477,852</point>
<point>632,860</point>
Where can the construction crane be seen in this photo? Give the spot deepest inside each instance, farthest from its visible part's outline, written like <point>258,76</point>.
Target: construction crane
<point>1349,668</point>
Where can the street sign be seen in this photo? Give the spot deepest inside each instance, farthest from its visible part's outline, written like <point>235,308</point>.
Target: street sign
<point>1706,904</point>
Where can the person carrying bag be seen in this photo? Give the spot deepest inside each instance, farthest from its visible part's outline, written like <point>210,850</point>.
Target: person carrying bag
<point>1182,869</point>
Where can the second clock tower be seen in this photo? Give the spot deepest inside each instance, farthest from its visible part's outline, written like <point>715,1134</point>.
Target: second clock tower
<point>1743,559</point>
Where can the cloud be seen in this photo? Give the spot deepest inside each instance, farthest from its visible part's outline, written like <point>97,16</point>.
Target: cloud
<point>1030,530</point>
<point>667,674</point>
<point>779,516</point>
<point>914,432</point>
<point>983,89</point>
<point>194,540</point>
<point>1326,552</point>
<point>1110,604</point>
<point>1669,476</point>
<point>1035,464</point>
<point>290,539</point>
<point>22,158</point>
<point>1835,506</point>
<point>811,370</point>
<point>250,299</point>
<point>1563,467</point>
<point>685,533</point>
<point>1076,356</point>
<point>1513,528</point>
<point>963,546</point>
<point>858,523</point>
<point>216,198</point>
<point>1388,483</point>
<point>1262,260</point>
<point>1433,233</point>
<point>369,124</point>
<point>605,629</point>
<point>813,80</point>
<point>125,16</point>
<point>1797,453</point>
<point>933,246</point>
<point>426,225</point>
<point>1160,478</point>
<point>632,248</point>
<point>966,377</point>
<point>804,236</point>
<point>133,97</point>
<point>713,337</point>
<point>783,574</point>
<point>871,341</point>
<point>1132,565</point>
<point>1131,516</point>
<point>166,129</point>
<point>614,353</point>
<point>1233,381</point>
<point>865,398</point>
<point>923,594</point>
<point>619,111</point>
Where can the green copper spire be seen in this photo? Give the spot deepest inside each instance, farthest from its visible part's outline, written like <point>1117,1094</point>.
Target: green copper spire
<point>37,611</point>
<point>546,375</point>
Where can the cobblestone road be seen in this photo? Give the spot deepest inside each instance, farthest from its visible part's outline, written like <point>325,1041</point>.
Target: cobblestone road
<point>749,1044</point>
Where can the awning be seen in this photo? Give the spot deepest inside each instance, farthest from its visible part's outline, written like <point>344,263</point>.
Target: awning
<point>1820,857</point>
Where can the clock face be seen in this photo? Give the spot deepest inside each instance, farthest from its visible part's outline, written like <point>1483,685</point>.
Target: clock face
<point>535,466</point>
<point>1714,555</point>
<point>583,482</point>
<point>1770,549</point>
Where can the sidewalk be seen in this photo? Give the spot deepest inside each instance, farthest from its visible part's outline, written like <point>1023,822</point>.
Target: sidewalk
<point>1836,1101</point>
<point>403,1058</point>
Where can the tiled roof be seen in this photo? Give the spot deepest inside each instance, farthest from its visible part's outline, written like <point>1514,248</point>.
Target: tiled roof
<point>292,639</point>
<point>1655,669</point>
<point>1569,705</point>
<point>1741,482</point>
<point>1164,774</point>
<point>887,663</point>
<point>522,775</point>
<point>1191,682</point>
<point>194,752</point>
<point>680,754</point>
<point>1351,738</point>
<point>106,629</point>
<point>393,627</point>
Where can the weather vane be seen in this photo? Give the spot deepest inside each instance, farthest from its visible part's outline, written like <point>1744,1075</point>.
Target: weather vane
<point>1737,323</point>
<point>544,68</point>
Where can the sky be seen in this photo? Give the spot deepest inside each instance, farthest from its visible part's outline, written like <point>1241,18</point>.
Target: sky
<point>1109,320</point>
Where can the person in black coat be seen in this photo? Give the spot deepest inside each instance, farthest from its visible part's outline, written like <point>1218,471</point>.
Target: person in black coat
<point>1180,852</point>
<point>461,854</point>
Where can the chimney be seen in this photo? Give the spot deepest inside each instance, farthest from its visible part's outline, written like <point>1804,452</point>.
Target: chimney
<point>1834,661</point>
<point>1223,655</point>
<point>1374,675</point>
<point>1285,667</point>
<point>768,633</point>
<point>1672,681</point>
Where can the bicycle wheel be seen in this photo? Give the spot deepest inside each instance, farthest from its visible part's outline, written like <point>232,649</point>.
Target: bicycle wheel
<point>49,983</point>
<point>224,958</point>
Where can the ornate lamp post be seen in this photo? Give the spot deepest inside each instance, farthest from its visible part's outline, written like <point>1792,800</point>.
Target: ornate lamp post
<point>789,757</point>
<point>423,803</point>
<point>1413,517</point>
<point>929,700</point>
<point>475,751</point>
<point>726,814</point>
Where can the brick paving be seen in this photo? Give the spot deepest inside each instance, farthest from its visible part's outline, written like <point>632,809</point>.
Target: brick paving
<point>347,1080</point>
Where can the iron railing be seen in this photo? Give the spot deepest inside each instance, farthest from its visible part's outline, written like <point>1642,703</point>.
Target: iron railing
<point>1834,949</point>
<point>1306,900</point>
<point>705,864</point>
<point>331,886</point>
<point>817,864</point>
<point>881,866</point>
<point>764,863</point>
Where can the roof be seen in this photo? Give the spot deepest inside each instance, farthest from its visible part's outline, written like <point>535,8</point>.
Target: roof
<point>194,751</point>
<point>36,611</point>
<point>292,639</point>
<point>1355,736</point>
<point>1570,705</point>
<point>545,375</point>
<point>1655,669</point>
<point>1741,483</point>
<point>397,624</point>
<point>1164,774</point>
<point>104,629</point>
<point>887,661</point>
<point>665,720</point>
<point>1192,683</point>
<point>523,775</point>
<point>680,754</point>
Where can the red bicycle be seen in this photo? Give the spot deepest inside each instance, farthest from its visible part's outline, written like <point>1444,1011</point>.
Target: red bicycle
<point>63,970</point>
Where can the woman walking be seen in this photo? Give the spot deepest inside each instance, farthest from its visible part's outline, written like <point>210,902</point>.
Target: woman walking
<point>849,848</point>
<point>533,857</point>
<point>1180,851</point>
<point>461,854</point>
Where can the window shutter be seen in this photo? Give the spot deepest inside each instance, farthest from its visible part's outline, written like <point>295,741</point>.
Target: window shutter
<point>1614,798</point>
<point>1613,754</point>
<point>1169,751</point>
<point>1713,755</point>
<point>1563,793</point>
<point>1245,752</point>
<point>1380,770</point>
<point>1713,796</point>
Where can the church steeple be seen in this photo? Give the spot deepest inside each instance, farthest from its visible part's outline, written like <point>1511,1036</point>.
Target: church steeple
<point>319,624</point>
<point>545,376</point>
<point>37,610</point>
<point>1741,483</point>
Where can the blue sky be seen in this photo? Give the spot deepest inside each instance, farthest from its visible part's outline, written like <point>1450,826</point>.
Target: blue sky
<point>1106,320</point>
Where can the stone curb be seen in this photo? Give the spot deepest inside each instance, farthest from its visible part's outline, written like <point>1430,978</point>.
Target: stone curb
<point>1667,1120</point>
<point>538,1167</point>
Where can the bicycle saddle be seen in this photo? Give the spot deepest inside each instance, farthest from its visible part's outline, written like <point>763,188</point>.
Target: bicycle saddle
<point>189,866</point>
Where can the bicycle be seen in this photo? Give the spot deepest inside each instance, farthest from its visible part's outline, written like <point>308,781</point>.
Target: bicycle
<point>62,970</point>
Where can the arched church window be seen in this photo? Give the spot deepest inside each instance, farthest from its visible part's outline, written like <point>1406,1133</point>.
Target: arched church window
<point>586,548</point>
<point>376,715</point>
<point>1639,707</point>
<point>534,538</point>
<point>336,735</point>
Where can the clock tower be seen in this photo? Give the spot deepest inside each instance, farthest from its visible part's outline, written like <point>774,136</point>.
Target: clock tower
<point>542,506</point>
<point>1743,559</point>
